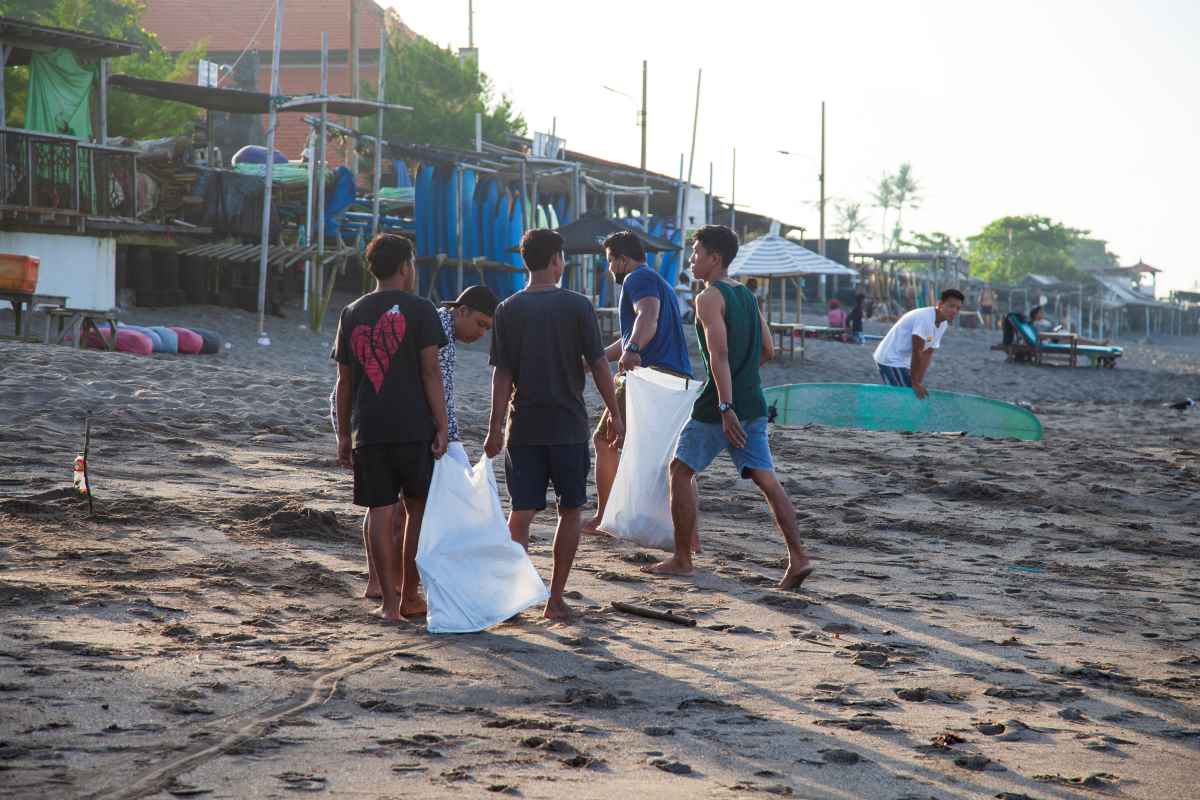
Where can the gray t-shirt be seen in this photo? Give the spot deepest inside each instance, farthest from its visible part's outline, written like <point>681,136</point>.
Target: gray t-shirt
<point>544,338</point>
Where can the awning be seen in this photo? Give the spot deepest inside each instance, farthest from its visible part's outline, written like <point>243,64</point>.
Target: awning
<point>586,235</point>
<point>25,38</point>
<point>237,101</point>
<point>773,256</point>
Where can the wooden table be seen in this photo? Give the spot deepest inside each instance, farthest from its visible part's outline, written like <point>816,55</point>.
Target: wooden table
<point>785,333</point>
<point>78,321</point>
<point>22,301</point>
<point>1072,355</point>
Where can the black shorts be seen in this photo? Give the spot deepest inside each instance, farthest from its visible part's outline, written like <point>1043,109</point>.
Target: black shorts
<point>529,468</point>
<point>383,471</point>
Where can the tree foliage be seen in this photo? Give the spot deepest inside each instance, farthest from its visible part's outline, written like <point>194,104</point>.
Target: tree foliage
<point>1010,248</point>
<point>445,94</point>
<point>128,115</point>
<point>850,221</point>
<point>935,242</point>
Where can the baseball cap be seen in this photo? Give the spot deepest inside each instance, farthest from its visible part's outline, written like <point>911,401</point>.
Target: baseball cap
<point>476,298</point>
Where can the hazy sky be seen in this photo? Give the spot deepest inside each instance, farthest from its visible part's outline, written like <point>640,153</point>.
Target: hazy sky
<point>1087,112</point>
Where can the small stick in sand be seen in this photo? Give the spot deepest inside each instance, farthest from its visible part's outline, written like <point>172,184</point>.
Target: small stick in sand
<point>649,613</point>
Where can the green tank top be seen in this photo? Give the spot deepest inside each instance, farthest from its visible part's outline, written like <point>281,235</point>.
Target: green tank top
<point>744,337</point>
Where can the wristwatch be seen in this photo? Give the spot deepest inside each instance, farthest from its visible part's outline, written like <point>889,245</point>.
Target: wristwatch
<point>723,407</point>
<point>633,347</point>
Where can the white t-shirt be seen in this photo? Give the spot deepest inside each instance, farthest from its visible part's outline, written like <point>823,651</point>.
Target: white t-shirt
<point>896,348</point>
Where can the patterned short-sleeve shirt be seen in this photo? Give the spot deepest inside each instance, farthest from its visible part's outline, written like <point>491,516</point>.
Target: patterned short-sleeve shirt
<point>446,356</point>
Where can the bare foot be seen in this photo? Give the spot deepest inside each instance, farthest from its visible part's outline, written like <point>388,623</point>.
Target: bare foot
<point>372,593</point>
<point>558,610</point>
<point>592,525</point>
<point>795,575</point>
<point>414,608</point>
<point>387,614</point>
<point>672,566</point>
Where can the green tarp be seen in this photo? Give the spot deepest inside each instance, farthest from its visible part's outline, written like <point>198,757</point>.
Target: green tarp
<point>59,94</point>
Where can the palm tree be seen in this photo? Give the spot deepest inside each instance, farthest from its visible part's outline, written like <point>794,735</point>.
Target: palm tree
<point>906,192</point>
<point>850,221</point>
<point>884,197</point>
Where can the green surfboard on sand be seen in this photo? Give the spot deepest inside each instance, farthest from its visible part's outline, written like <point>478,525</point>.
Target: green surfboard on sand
<point>891,408</point>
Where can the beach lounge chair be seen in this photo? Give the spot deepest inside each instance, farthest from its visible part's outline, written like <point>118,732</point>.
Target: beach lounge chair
<point>1041,345</point>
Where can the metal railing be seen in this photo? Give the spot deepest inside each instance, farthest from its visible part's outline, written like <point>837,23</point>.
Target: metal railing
<point>53,172</point>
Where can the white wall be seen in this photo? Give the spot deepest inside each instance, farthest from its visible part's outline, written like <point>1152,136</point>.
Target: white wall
<point>83,268</point>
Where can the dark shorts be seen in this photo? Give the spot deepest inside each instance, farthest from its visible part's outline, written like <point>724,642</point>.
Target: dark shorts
<point>383,471</point>
<point>530,468</point>
<point>895,376</point>
<point>985,310</point>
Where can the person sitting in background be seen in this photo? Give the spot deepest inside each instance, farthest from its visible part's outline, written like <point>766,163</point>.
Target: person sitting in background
<point>1037,318</point>
<point>837,315</point>
<point>854,320</point>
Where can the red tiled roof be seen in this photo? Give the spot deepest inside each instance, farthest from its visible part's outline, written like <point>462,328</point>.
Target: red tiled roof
<point>229,25</point>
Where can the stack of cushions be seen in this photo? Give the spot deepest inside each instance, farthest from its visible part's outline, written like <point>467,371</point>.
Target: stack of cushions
<point>143,341</point>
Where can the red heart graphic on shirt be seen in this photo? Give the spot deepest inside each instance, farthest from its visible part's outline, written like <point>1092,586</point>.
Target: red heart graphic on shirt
<point>374,347</point>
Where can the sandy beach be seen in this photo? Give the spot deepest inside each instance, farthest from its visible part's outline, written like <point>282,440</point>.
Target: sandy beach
<point>988,619</point>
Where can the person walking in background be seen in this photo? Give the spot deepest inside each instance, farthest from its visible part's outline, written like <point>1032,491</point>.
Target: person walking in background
<point>907,350</point>
<point>391,413</point>
<point>543,341</point>
<point>731,412</point>
<point>651,336</point>
<point>987,307</point>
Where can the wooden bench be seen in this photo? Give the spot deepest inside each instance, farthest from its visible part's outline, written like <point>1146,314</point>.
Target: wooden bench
<point>27,302</point>
<point>785,334</point>
<point>78,322</point>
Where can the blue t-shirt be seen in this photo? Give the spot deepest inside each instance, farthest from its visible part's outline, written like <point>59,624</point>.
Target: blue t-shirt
<point>668,348</point>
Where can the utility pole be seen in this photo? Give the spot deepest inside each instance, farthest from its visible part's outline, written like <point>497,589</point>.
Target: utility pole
<point>471,23</point>
<point>821,236</point>
<point>695,123</point>
<point>643,118</point>
<point>265,236</point>
<point>352,142</point>
<point>733,196</point>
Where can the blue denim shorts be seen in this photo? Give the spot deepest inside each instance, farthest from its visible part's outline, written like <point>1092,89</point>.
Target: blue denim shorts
<point>701,442</point>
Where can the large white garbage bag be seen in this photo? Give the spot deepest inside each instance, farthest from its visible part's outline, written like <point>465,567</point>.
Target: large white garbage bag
<point>657,406</point>
<point>475,575</point>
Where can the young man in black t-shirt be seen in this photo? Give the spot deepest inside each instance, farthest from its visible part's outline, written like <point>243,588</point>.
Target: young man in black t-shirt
<point>544,340</point>
<point>391,412</point>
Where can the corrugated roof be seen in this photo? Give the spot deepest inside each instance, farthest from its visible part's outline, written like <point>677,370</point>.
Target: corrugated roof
<point>25,37</point>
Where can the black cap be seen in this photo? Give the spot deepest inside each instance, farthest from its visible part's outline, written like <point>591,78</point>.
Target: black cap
<point>476,298</point>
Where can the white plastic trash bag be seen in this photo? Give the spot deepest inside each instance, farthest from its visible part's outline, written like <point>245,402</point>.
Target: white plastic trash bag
<point>657,406</point>
<point>475,575</point>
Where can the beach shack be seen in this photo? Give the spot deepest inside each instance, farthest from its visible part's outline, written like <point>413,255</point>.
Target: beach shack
<point>65,190</point>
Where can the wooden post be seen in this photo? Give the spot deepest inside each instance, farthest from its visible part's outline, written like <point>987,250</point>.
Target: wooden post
<point>821,232</point>
<point>265,238</point>
<point>4,51</point>
<point>733,194</point>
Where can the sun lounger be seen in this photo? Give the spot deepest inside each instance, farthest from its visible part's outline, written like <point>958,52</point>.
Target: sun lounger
<point>1038,346</point>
